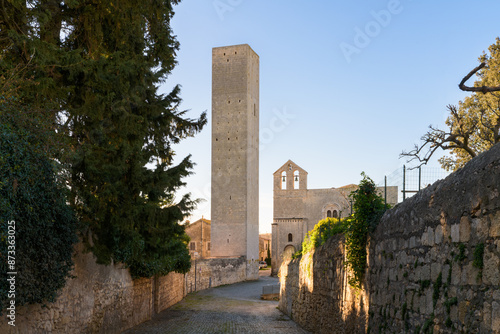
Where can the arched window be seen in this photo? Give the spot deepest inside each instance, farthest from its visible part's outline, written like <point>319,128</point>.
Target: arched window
<point>329,213</point>
<point>335,214</point>
<point>290,237</point>
<point>283,180</point>
<point>296,179</point>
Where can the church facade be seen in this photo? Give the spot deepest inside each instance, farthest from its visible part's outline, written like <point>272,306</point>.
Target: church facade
<point>298,209</point>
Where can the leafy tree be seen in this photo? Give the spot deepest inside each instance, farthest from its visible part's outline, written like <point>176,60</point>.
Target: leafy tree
<point>473,125</point>
<point>100,63</point>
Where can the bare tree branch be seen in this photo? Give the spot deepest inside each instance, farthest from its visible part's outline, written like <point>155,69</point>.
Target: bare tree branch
<point>483,89</point>
<point>434,139</point>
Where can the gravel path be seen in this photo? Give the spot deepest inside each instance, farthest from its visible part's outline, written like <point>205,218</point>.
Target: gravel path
<point>235,308</point>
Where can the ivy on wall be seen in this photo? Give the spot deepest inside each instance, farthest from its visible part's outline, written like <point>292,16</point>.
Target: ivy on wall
<point>33,203</point>
<point>368,208</point>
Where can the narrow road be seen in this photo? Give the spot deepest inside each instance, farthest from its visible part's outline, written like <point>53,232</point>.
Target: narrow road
<point>235,308</point>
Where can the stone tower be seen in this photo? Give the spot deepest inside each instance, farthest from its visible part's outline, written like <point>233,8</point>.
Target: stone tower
<point>235,154</point>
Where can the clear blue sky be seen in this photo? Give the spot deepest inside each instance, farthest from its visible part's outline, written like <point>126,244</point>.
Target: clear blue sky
<point>355,102</point>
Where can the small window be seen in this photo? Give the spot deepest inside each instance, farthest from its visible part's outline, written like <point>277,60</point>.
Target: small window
<point>208,245</point>
<point>283,180</point>
<point>290,237</point>
<point>192,245</point>
<point>335,214</point>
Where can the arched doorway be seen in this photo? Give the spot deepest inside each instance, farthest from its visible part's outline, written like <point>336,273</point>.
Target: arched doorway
<point>288,252</point>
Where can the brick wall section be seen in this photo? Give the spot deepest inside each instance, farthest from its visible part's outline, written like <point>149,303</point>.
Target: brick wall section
<point>101,299</point>
<point>315,293</point>
<point>421,274</point>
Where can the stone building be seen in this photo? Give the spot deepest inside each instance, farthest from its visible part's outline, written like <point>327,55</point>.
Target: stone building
<point>199,232</point>
<point>264,245</point>
<point>235,155</point>
<point>298,209</point>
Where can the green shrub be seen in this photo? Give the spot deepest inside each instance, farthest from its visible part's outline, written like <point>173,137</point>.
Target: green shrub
<point>323,231</point>
<point>45,226</point>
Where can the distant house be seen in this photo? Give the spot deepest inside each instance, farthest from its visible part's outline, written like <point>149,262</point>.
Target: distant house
<point>199,232</point>
<point>264,245</point>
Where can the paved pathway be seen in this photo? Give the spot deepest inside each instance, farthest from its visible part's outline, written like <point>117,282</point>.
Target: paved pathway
<point>235,308</point>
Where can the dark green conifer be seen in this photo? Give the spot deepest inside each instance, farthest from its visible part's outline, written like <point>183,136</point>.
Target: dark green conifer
<point>101,62</point>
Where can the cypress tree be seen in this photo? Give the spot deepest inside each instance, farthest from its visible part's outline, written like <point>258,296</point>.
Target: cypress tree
<point>100,63</point>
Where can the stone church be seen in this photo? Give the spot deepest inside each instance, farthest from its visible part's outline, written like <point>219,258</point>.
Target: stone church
<point>298,209</point>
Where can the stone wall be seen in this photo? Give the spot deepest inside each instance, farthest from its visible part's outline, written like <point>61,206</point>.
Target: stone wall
<point>425,256</point>
<point>315,294</point>
<point>434,265</point>
<point>100,299</point>
<point>215,272</point>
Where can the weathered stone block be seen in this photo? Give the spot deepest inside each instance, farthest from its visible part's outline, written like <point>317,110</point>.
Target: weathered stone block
<point>413,242</point>
<point>495,316</point>
<point>402,259</point>
<point>427,238</point>
<point>495,225</point>
<point>429,306</point>
<point>425,272</point>
<point>480,227</point>
<point>496,295</point>
<point>438,235</point>
<point>487,315</point>
<point>436,268</point>
<point>463,308</point>
<point>491,270</point>
<point>464,229</point>
<point>455,233</point>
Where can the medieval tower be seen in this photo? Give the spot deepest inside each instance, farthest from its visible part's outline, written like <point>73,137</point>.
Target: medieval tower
<point>235,154</point>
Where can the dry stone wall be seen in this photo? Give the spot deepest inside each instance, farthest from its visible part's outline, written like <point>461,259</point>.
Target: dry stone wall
<point>434,265</point>
<point>315,293</point>
<point>100,299</point>
<point>105,299</point>
<point>435,258</point>
<point>215,272</point>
